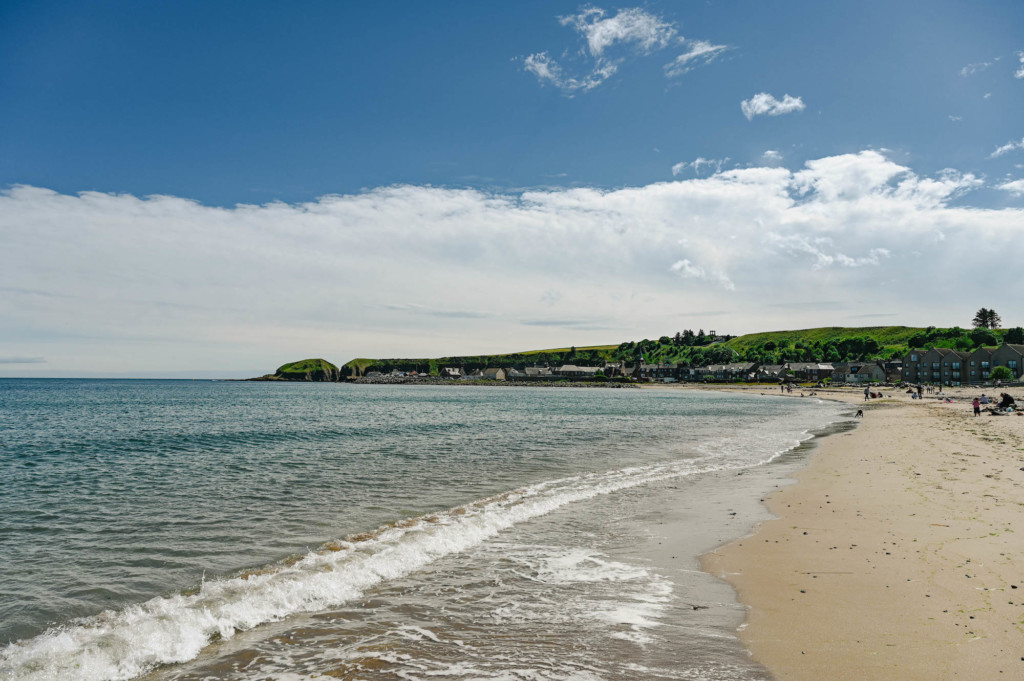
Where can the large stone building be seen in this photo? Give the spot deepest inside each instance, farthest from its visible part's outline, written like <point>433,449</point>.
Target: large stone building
<point>944,366</point>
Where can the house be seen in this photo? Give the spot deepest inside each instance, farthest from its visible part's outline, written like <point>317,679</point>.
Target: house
<point>770,372</point>
<point>811,371</point>
<point>658,372</point>
<point>893,370</point>
<point>493,374</point>
<point>735,371</point>
<point>1011,357</point>
<point>538,373</point>
<point>451,372</point>
<point>979,365</point>
<point>912,366</point>
<point>573,371</point>
<point>858,372</point>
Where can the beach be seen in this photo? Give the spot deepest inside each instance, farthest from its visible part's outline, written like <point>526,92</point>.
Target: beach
<point>896,554</point>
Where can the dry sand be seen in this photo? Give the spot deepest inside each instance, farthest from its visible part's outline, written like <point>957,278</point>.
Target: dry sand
<point>897,555</point>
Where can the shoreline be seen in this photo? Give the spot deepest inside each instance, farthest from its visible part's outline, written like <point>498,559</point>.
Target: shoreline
<point>893,555</point>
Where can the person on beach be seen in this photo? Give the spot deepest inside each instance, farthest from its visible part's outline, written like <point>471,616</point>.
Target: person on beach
<point>984,399</point>
<point>866,391</point>
<point>1006,401</point>
<point>920,391</point>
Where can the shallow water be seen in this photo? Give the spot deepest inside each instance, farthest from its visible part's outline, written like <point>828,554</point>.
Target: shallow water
<point>246,530</point>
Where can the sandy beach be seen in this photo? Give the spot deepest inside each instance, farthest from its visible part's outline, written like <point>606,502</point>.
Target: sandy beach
<point>896,555</point>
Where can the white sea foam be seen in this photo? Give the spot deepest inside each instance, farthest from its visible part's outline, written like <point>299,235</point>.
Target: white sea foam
<point>121,645</point>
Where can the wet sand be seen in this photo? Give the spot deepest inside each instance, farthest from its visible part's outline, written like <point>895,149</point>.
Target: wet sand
<point>897,555</point>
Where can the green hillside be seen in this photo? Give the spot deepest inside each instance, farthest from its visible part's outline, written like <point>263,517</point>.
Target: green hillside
<point>826,344</point>
<point>885,335</point>
<point>308,370</point>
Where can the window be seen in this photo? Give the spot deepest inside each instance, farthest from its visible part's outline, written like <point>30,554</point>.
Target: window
<point>984,365</point>
<point>1012,363</point>
<point>913,358</point>
<point>973,371</point>
<point>956,365</point>
<point>935,365</point>
<point>972,362</point>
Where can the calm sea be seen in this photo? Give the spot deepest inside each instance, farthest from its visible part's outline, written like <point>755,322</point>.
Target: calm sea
<point>219,530</point>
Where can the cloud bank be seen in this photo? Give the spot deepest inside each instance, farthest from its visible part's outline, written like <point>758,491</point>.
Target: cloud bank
<point>98,280</point>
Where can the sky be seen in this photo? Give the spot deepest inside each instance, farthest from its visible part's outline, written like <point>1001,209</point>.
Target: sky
<point>212,189</point>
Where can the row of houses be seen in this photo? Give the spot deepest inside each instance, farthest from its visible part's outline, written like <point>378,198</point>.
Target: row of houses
<point>938,365</point>
<point>944,366</point>
<point>849,372</point>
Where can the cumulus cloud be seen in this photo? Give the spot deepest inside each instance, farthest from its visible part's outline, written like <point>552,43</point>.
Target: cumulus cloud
<point>765,104</point>
<point>700,52</point>
<point>1016,187</point>
<point>700,166</point>
<point>1020,70</point>
<point>1007,148</point>
<point>632,26</point>
<point>771,157</point>
<point>109,281</point>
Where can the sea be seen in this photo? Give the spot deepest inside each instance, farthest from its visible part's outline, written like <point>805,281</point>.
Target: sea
<point>172,530</point>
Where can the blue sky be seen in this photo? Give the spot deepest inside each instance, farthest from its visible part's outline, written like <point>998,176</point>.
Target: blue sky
<point>262,132</point>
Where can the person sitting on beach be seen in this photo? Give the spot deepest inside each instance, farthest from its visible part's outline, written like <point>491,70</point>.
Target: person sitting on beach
<point>984,399</point>
<point>977,406</point>
<point>1006,401</point>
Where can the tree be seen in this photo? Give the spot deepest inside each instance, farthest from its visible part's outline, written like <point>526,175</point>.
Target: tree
<point>1001,374</point>
<point>1014,336</point>
<point>982,336</point>
<point>986,319</point>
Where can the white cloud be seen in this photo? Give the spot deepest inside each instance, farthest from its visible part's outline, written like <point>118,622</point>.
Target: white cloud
<point>955,119</point>
<point>632,26</point>
<point>610,41</point>
<point>764,103</point>
<point>971,69</point>
<point>1020,71</point>
<point>111,282</point>
<point>1007,148</point>
<point>548,71</point>
<point>772,157</point>
<point>988,95</point>
<point>700,165</point>
<point>688,270</point>
<point>1016,187</point>
<point>699,52</point>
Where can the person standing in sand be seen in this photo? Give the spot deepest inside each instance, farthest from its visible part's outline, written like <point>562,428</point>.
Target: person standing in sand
<point>977,406</point>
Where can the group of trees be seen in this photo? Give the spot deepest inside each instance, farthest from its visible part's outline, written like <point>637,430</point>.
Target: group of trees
<point>986,319</point>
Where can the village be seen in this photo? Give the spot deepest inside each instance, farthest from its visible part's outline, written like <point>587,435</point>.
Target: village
<point>935,366</point>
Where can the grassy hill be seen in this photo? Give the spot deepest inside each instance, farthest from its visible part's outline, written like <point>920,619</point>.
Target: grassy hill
<point>885,335</point>
<point>829,344</point>
<point>307,370</point>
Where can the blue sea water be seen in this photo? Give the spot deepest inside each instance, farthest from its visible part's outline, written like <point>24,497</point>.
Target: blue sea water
<point>174,528</point>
